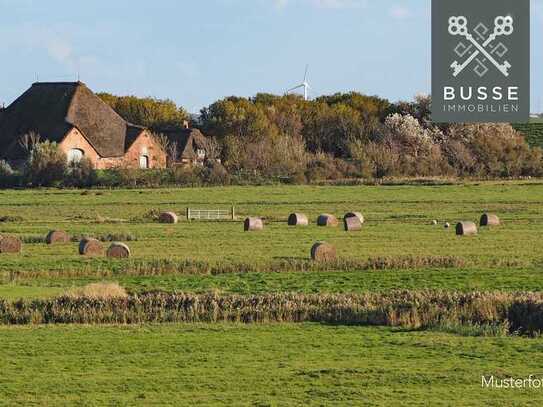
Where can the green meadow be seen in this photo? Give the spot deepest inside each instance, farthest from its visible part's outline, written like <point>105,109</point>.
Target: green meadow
<point>270,364</point>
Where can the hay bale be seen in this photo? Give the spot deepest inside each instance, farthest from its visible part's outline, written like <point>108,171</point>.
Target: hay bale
<point>327,220</point>
<point>57,236</point>
<point>168,217</point>
<point>298,219</point>
<point>118,250</point>
<point>90,247</point>
<point>98,291</point>
<point>466,228</point>
<point>447,225</point>
<point>352,224</point>
<point>10,244</point>
<point>489,219</point>
<point>354,215</point>
<point>434,222</point>
<point>323,252</point>
<point>253,224</point>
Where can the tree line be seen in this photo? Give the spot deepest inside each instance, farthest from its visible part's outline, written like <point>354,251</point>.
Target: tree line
<point>269,137</point>
<point>344,135</point>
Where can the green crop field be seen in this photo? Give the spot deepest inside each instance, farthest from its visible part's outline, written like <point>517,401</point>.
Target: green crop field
<point>533,131</point>
<point>270,363</point>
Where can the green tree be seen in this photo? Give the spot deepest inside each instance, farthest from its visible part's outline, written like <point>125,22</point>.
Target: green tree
<point>46,164</point>
<point>153,113</point>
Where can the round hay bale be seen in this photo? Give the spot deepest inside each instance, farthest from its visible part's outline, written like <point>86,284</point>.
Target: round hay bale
<point>253,224</point>
<point>466,228</point>
<point>327,220</point>
<point>434,222</point>
<point>10,244</point>
<point>489,219</point>
<point>354,215</point>
<point>447,225</point>
<point>118,250</point>
<point>352,224</point>
<point>168,217</point>
<point>323,252</point>
<point>90,247</point>
<point>57,236</point>
<point>298,219</point>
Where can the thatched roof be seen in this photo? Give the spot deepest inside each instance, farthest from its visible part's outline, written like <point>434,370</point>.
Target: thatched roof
<point>53,109</point>
<point>188,141</point>
<point>132,133</point>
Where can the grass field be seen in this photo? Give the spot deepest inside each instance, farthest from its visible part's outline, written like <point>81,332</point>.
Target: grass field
<point>305,364</point>
<point>270,364</point>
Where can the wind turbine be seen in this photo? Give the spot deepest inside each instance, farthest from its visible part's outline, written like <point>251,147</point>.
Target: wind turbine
<point>304,85</point>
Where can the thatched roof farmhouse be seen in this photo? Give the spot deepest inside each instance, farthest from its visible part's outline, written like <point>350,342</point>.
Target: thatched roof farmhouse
<point>188,144</point>
<point>70,114</point>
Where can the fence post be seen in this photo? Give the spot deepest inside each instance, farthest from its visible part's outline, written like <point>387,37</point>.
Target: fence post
<point>233,213</point>
<point>188,213</point>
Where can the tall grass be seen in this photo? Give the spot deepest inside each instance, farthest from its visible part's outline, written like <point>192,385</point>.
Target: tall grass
<point>521,312</point>
<point>161,267</point>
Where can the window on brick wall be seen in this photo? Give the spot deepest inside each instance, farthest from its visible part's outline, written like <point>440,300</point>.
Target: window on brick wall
<point>75,155</point>
<point>144,162</point>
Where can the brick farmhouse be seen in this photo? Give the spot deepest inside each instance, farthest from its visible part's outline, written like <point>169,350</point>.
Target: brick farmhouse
<point>71,115</point>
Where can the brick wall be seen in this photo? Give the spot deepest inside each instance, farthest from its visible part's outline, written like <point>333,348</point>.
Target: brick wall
<point>143,145</point>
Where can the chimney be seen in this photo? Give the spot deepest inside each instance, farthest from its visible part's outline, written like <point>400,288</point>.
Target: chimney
<point>185,124</point>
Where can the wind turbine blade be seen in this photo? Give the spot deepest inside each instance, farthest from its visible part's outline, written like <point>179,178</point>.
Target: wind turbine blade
<point>296,87</point>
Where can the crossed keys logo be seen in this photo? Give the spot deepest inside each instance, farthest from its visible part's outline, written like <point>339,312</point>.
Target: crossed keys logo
<point>484,52</point>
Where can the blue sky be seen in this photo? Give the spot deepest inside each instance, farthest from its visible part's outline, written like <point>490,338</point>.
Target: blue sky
<point>197,51</point>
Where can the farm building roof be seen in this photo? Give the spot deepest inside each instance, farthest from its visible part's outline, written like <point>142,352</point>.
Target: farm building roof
<point>51,109</point>
<point>188,141</point>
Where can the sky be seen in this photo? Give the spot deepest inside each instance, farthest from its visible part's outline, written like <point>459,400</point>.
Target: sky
<point>195,52</point>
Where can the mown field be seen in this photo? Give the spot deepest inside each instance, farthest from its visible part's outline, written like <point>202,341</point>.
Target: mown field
<point>278,364</point>
<point>273,363</point>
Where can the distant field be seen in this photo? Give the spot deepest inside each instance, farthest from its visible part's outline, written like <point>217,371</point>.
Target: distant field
<point>398,225</point>
<point>277,364</point>
<point>533,132</point>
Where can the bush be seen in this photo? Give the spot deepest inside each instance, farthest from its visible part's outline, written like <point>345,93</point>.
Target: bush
<point>8,177</point>
<point>80,174</point>
<point>46,165</point>
<point>214,173</point>
<point>187,176</point>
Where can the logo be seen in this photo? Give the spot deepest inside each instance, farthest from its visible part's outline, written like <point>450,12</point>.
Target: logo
<point>483,52</point>
<point>480,60</point>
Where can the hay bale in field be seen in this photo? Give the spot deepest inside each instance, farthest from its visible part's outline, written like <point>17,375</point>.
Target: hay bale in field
<point>434,222</point>
<point>57,236</point>
<point>466,228</point>
<point>90,247</point>
<point>323,252</point>
<point>298,219</point>
<point>118,250</point>
<point>354,215</point>
<point>99,291</point>
<point>352,224</point>
<point>327,220</point>
<point>168,217</point>
<point>447,225</point>
<point>253,224</point>
<point>10,244</point>
<point>489,219</point>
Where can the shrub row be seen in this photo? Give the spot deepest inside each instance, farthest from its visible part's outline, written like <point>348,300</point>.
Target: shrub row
<point>522,312</point>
